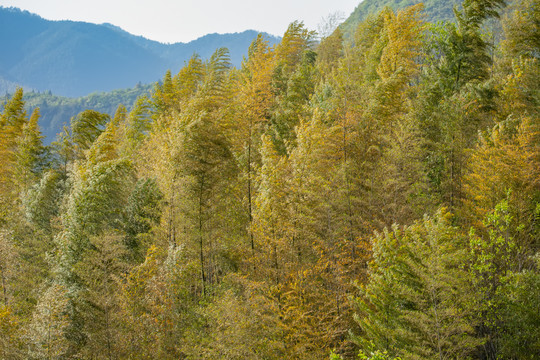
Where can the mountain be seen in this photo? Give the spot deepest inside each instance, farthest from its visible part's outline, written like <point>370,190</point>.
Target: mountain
<point>435,10</point>
<point>76,58</point>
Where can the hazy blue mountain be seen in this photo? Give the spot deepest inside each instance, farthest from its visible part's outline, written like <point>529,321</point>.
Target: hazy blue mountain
<point>77,58</point>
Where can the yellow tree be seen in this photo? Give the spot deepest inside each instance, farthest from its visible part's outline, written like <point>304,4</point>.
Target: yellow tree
<point>12,122</point>
<point>506,159</point>
<point>29,162</point>
<point>255,99</point>
<point>49,324</point>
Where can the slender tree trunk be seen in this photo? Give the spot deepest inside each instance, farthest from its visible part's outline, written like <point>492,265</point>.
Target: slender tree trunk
<point>108,332</point>
<point>276,261</point>
<point>348,189</point>
<point>458,74</point>
<point>172,206</point>
<point>49,336</point>
<point>250,209</point>
<point>201,239</point>
<point>452,174</point>
<point>4,290</point>
<point>106,290</point>
<point>437,324</point>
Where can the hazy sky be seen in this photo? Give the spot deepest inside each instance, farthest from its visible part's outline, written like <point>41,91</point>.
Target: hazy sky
<point>185,20</point>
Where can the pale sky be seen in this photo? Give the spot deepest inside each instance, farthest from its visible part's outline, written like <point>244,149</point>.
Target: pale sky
<point>173,21</point>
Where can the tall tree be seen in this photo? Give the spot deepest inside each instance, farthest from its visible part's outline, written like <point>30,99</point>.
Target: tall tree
<point>416,304</point>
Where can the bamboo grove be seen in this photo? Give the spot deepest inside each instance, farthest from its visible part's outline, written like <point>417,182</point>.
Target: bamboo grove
<point>378,194</point>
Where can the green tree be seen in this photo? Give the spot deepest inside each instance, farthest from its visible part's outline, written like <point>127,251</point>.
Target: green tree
<point>520,314</point>
<point>416,303</point>
<point>30,153</point>
<point>100,270</point>
<point>493,257</point>
<point>256,100</point>
<point>456,98</point>
<point>86,127</point>
<point>142,212</point>
<point>50,322</point>
<point>12,122</point>
<point>43,201</point>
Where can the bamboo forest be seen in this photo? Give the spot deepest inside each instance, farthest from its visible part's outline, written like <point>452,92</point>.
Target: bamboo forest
<point>365,195</point>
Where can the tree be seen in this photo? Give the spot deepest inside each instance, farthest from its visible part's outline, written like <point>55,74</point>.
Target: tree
<point>86,127</point>
<point>456,98</point>
<point>522,29</point>
<point>8,265</point>
<point>505,165</point>
<point>159,306</point>
<point>12,122</point>
<point>493,257</point>
<point>256,99</point>
<point>416,303</point>
<point>137,126</point>
<point>142,212</point>
<point>520,314</point>
<point>100,271</point>
<point>394,131</point>
<point>293,83</point>
<point>50,322</point>
<point>43,201</point>
<point>329,51</point>
<point>30,150</point>
<point>9,331</point>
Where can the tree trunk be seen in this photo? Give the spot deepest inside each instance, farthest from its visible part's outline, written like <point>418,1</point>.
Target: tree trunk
<point>201,239</point>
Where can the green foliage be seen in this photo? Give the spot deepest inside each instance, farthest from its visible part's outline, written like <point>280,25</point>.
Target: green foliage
<point>86,127</point>
<point>372,355</point>
<point>520,311</point>
<point>377,355</point>
<point>494,256</point>
<point>522,28</point>
<point>43,200</point>
<point>416,303</point>
<point>142,211</point>
<point>436,10</point>
<point>47,331</point>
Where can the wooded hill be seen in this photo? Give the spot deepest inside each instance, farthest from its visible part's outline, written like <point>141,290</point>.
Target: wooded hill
<point>57,111</point>
<point>434,10</point>
<point>380,197</point>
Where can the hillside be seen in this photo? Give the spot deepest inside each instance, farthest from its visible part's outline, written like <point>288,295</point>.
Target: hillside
<point>76,58</point>
<point>56,111</point>
<point>435,10</point>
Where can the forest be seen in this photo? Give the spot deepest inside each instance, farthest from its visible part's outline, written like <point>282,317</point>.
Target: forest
<point>376,198</point>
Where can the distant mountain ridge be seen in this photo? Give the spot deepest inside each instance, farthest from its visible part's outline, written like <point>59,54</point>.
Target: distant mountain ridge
<point>77,58</point>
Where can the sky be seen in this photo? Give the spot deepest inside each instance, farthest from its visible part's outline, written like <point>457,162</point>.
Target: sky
<point>171,21</point>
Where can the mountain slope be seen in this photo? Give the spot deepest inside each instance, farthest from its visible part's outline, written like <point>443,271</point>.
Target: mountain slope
<point>435,10</point>
<point>76,58</point>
